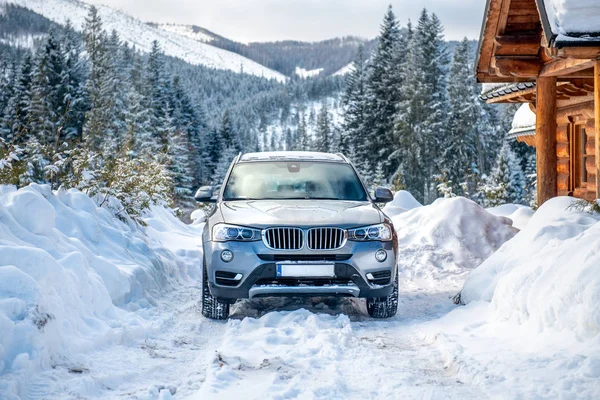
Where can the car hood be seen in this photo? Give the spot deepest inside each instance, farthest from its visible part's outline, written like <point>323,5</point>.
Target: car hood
<point>302,213</point>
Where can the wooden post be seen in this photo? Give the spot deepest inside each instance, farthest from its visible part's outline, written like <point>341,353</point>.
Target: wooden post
<point>597,122</point>
<point>545,138</point>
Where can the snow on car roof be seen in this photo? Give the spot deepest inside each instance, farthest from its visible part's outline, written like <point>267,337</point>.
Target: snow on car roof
<point>291,155</point>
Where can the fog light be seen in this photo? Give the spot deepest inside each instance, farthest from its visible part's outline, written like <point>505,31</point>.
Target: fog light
<point>226,255</point>
<point>381,255</point>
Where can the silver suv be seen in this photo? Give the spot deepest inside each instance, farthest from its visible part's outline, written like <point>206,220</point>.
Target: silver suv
<point>297,224</point>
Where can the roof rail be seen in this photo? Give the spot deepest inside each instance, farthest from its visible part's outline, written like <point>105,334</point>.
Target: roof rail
<point>343,157</point>
<point>237,158</point>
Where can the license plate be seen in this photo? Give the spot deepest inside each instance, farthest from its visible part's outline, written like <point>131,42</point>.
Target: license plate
<point>306,270</point>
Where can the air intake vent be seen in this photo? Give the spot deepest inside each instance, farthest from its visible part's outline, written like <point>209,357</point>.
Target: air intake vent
<point>326,238</point>
<point>283,238</point>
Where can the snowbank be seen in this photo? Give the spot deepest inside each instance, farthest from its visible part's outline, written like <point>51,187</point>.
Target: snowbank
<point>517,213</point>
<point>548,274</point>
<point>447,239</point>
<point>403,201</point>
<point>531,326</point>
<point>65,266</point>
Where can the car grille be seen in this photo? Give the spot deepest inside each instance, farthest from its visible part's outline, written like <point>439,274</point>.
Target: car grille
<point>304,257</point>
<point>284,238</point>
<point>325,238</point>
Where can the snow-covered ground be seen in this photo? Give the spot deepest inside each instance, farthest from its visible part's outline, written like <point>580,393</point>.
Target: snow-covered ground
<point>97,308</point>
<point>135,32</point>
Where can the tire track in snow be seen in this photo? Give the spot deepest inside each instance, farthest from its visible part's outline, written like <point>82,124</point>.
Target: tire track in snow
<point>320,352</point>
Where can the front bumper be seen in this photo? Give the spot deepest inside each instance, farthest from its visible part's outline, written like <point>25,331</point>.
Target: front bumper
<point>354,264</point>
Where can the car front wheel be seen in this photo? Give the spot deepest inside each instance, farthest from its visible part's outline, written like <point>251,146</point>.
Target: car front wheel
<point>384,307</point>
<point>211,307</point>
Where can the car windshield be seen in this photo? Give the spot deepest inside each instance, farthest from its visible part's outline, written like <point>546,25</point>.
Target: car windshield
<point>294,180</point>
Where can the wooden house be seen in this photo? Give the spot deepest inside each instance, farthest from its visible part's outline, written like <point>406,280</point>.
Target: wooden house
<point>546,53</point>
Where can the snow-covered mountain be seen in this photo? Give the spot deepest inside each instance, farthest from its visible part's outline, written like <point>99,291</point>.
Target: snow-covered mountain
<point>190,31</point>
<point>173,42</point>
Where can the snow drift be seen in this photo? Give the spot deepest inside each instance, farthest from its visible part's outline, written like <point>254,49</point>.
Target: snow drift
<point>548,274</point>
<point>448,238</point>
<point>403,201</point>
<point>65,266</point>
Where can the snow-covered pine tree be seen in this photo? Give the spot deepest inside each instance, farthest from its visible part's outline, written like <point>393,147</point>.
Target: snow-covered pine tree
<point>47,109</point>
<point>383,93</point>
<point>323,138</point>
<point>227,134</point>
<point>289,139</point>
<point>156,88</point>
<point>354,128</point>
<point>186,120</point>
<point>302,134</point>
<point>179,163</point>
<point>460,145</point>
<point>421,114</point>
<point>214,151</point>
<point>73,79</point>
<point>15,116</point>
<point>222,166</point>
<point>506,183</point>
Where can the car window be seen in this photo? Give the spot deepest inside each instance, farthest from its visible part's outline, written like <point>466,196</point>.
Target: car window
<point>294,180</point>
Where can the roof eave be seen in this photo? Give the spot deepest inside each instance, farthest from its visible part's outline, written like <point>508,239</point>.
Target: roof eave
<point>481,37</point>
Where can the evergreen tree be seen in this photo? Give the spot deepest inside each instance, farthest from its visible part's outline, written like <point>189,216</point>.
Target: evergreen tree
<point>460,149</point>
<point>15,120</point>
<point>289,140</point>
<point>421,114</point>
<point>354,128</point>
<point>383,93</point>
<point>302,135</point>
<point>506,183</point>
<point>227,134</point>
<point>98,119</point>
<point>323,140</point>
<point>47,110</point>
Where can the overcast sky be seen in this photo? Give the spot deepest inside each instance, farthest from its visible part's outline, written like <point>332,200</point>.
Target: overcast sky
<point>310,20</point>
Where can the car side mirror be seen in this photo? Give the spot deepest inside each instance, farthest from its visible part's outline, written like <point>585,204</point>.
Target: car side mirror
<point>205,195</point>
<point>383,195</point>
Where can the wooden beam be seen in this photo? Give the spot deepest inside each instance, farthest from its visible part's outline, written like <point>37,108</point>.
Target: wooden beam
<point>526,44</point>
<point>518,67</point>
<point>597,122</point>
<point>590,53</point>
<point>545,138</point>
<point>564,67</point>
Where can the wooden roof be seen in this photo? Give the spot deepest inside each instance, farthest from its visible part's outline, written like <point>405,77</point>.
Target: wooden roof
<point>517,44</point>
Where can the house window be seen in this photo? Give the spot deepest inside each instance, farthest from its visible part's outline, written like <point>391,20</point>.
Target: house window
<point>578,172</point>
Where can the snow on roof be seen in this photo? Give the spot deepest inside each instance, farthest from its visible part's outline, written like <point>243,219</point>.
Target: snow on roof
<point>573,20</point>
<point>523,122</point>
<point>291,155</point>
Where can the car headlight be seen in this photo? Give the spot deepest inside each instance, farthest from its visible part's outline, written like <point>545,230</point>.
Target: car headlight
<point>225,233</point>
<point>380,232</point>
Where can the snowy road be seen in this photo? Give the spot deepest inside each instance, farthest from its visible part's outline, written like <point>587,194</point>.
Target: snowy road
<point>272,348</point>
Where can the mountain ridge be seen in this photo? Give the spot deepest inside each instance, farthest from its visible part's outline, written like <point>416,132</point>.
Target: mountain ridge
<point>141,35</point>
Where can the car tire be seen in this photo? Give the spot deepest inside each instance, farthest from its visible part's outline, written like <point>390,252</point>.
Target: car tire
<point>211,307</point>
<point>384,307</point>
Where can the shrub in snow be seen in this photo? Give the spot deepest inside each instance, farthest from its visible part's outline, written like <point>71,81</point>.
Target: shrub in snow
<point>448,238</point>
<point>547,275</point>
